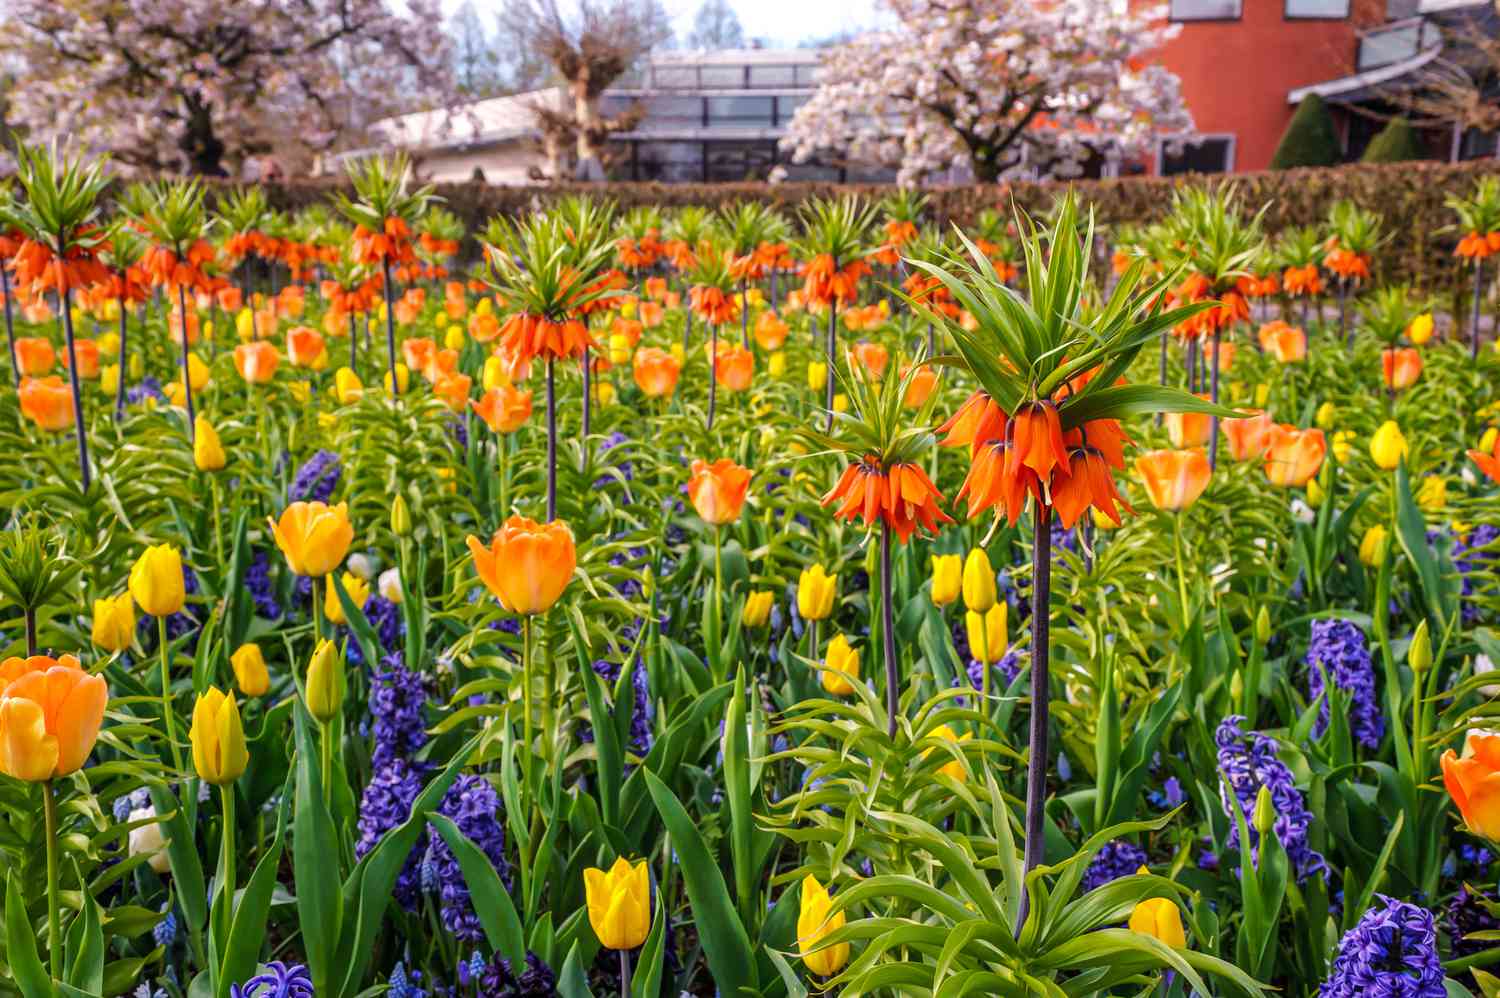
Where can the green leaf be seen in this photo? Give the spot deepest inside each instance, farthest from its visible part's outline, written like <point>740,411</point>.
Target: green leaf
<point>247,932</point>
<point>497,915</point>
<point>20,945</point>
<point>182,856</point>
<point>320,905</point>
<point>85,955</point>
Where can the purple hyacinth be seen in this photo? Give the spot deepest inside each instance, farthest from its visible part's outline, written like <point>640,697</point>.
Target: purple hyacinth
<point>1468,914</point>
<point>536,981</point>
<point>262,589</point>
<point>1339,647</point>
<point>385,804</point>
<point>1249,760</point>
<point>1471,554</point>
<point>277,980</point>
<point>397,699</point>
<point>474,806</point>
<point>316,479</point>
<point>1117,859</point>
<point>149,387</point>
<point>626,469</point>
<point>643,712</point>
<point>1391,953</point>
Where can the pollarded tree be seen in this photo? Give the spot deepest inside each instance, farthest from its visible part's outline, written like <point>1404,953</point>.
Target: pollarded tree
<point>199,85</point>
<point>991,87</point>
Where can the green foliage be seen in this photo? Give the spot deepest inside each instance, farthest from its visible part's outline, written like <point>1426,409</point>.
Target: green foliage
<point>1397,142</point>
<point>1309,139</point>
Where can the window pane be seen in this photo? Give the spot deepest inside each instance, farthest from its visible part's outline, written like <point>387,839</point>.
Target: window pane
<point>773,76</point>
<point>1205,10</point>
<point>1317,8</point>
<point>670,111</point>
<point>734,161</point>
<point>713,77</point>
<point>1207,156</point>
<point>1381,48</point>
<point>675,77</point>
<point>741,111</point>
<point>670,161</point>
<point>807,75</point>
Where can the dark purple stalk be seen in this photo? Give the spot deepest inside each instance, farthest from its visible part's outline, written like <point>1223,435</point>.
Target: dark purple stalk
<point>887,629</point>
<point>1213,432</point>
<point>744,315</point>
<point>390,326</point>
<point>120,382</point>
<point>833,335</point>
<point>353,344</point>
<point>187,381</point>
<point>713,371</point>
<point>78,425</point>
<point>551,439</point>
<point>1036,759</point>
<point>588,391</point>
<point>10,324</point>
<point>1473,315</point>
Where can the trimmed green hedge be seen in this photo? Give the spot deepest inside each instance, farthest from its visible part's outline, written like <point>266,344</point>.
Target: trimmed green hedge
<point>1409,196</point>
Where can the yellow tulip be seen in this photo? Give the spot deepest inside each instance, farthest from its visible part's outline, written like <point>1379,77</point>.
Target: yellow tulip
<point>358,590</point>
<point>1262,395</point>
<point>347,387</point>
<point>1388,445</point>
<point>758,608</point>
<point>1420,330</point>
<point>815,593</point>
<point>619,349</point>
<point>453,339</point>
<point>840,402</point>
<point>219,753</point>
<point>198,373</point>
<point>947,578</point>
<point>952,768</point>
<point>325,682</point>
<point>156,581</point>
<point>776,364</point>
<point>1433,493</point>
<point>114,622</point>
<point>494,374</point>
<point>619,904</point>
<point>814,924</point>
<point>208,453</point>
<point>817,375</point>
<point>1159,919</point>
<point>988,633</point>
<point>1372,546</point>
<point>979,581</point>
<point>109,379</point>
<point>109,344</point>
<point>244,325</point>
<point>840,665</point>
<point>678,354</point>
<point>250,673</point>
<point>1315,493</point>
<point>313,536</point>
<point>1325,416</point>
<point>1343,446</point>
<point>606,392</point>
<point>403,379</point>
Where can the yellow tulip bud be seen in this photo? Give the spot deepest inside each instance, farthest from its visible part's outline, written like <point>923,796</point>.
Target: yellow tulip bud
<point>1263,625</point>
<point>249,667</point>
<point>325,682</point>
<point>485,307</point>
<point>952,768</point>
<point>208,453</point>
<point>1419,652</point>
<point>1264,816</point>
<point>109,344</point>
<point>815,593</point>
<point>358,590</point>
<point>494,373</point>
<point>606,392</point>
<point>1343,446</point>
<point>244,325</point>
<point>814,924</point>
<point>1388,445</point>
<point>619,349</point>
<point>1326,415</point>
<point>947,578</point>
<point>1315,493</point>
<point>219,752</point>
<point>988,633</point>
<point>114,623</point>
<point>400,516</point>
<point>678,354</point>
<point>841,666</point>
<point>109,379</point>
<point>137,366</point>
<point>403,379</point>
<point>1262,395</point>
<point>817,375</point>
<point>156,581</point>
<point>979,581</point>
<point>347,387</point>
<point>1420,330</point>
<point>198,373</point>
<point>776,365</point>
<point>840,402</point>
<point>758,609</point>
<point>1372,546</point>
<point>453,339</point>
<point>1159,919</point>
<point>619,904</point>
<point>208,330</point>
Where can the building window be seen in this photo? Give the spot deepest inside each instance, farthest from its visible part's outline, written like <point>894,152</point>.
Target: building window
<point>741,112</point>
<point>1205,10</point>
<point>1324,10</point>
<point>1207,154</point>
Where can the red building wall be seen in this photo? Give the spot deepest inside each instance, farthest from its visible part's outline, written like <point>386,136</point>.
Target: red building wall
<point>1236,74</point>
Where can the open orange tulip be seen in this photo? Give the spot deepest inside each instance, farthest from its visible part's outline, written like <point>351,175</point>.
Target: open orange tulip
<point>1249,437</point>
<point>527,564</point>
<point>919,389</point>
<point>1174,479</point>
<point>304,345</point>
<point>1473,781</point>
<point>718,490</point>
<point>655,372</point>
<point>872,357</point>
<point>770,331</point>
<point>504,409</point>
<point>47,402</point>
<point>34,355</point>
<point>256,361</point>
<point>1294,456</point>
<point>88,358</point>
<point>734,367</point>
<point>1286,343</point>
<point>1400,367</point>
<point>314,536</point>
<point>1189,429</point>
<point>50,714</point>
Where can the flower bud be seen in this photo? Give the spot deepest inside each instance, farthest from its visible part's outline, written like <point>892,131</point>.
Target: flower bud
<point>1419,652</point>
<point>1265,811</point>
<point>249,667</point>
<point>325,682</point>
<point>978,582</point>
<point>400,517</point>
<point>1263,626</point>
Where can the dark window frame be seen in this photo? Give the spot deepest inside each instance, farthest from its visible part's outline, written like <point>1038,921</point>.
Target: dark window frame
<point>1231,151</point>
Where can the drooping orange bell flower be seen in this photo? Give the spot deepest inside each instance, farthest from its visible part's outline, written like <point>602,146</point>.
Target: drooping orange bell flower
<point>1348,265</point>
<point>525,338</point>
<point>1297,281</point>
<point>989,485</point>
<point>1294,456</point>
<point>655,372</point>
<point>1087,483</point>
<point>1478,246</point>
<point>256,361</point>
<point>1174,479</point>
<point>34,355</point>
<point>50,714</point>
<point>718,490</point>
<point>712,305</point>
<point>1036,440</point>
<point>978,421</point>
<point>1250,436</point>
<point>527,565</point>
<point>901,497</point>
<point>1473,781</point>
<point>504,409</point>
<point>1488,463</point>
<point>47,402</point>
<point>1401,367</point>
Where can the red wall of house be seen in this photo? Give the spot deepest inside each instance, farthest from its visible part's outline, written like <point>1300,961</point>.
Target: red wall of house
<point>1236,74</point>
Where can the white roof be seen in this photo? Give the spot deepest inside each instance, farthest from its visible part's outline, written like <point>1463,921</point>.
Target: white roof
<point>485,121</point>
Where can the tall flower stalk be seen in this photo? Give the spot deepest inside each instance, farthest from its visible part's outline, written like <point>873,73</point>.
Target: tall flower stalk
<point>61,247</point>
<point>1043,427</point>
<point>836,241</point>
<point>176,222</point>
<point>1479,221</point>
<point>127,287</point>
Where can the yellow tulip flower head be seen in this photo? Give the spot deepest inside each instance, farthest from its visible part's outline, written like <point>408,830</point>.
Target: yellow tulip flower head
<point>947,578</point>
<point>325,682</point>
<point>1420,330</point>
<point>313,536</point>
<point>776,364</point>
<point>1325,416</point>
<point>156,581</point>
<point>1388,445</point>
<point>358,590</point>
<point>758,608</point>
<point>952,768</point>
<point>815,593</point>
<point>619,904</point>
<point>114,623</point>
<point>208,453</point>
<point>347,387</point>
<point>1160,919</point>
<point>979,581</point>
<point>219,752</point>
<point>814,924</point>
<point>1372,546</point>
<point>250,673</point>
<point>1433,493</point>
<point>840,666</point>
<point>817,375</point>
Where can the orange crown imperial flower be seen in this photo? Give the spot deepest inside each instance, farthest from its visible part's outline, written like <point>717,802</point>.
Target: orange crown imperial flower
<point>902,497</point>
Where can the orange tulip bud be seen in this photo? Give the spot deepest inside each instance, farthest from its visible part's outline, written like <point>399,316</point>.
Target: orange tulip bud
<point>1174,479</point>
<point>50,714</point>
<point>718,490</point>
<point>1294,456</point>
<point>256,361</point>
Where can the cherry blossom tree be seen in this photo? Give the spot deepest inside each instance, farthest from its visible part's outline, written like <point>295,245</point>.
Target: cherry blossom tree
<point>199,86</point>
<point>992,87</point>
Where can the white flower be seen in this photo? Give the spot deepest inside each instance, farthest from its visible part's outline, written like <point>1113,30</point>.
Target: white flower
<point>1482,664</point>
<point>148,840</point>
<point>363,565</point>
<point>390,584</point>
<point>1302,512</point>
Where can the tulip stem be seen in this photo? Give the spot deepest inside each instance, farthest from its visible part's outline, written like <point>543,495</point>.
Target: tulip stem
<point>887,629</point>
<point>390,324</point>
<point>10,327</point>
<point>833,334</point>
<point>1182,597</point>
<point>526,697</point>
<point>715,638</point>
<point>213,484</point>
<point>123,361</point>
<point>54,913</point>
<point>169,716</point>
<point>551,439</point>
<point>327,753</point>
<point>1036,755</point>
<point>624,973</point>
<point>317,610</point>
<point>226,873</point>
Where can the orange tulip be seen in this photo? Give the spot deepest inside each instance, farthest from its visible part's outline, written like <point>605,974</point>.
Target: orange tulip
<point>304,345</point>
<point>50,714</point>
<point>1473,781</point>
<point>770,331</point>
<point>504,409</point>
<point>921,386</point>
<point>1294,456</point>
<point>230,299</point>
<point>88,358</point>
<point>1174,479</point>
<point>656,372</point>
<point>1189,429</point>
<point>1287,344</point>
<point>256,362</point>
<point>1401,367</point>
<point>484,326</point>
<point>417,351</point>
<point>734,367</point>
<point>34,355</point>
<point>453,389</point>
<point>1488,463</point>
<point>527,565</point>
<point>1249,437</point>
<point>1226,355</point>
<point>47,402</point>
<point>872,357</point>
<point>718,490</point>
<point>652,314</point>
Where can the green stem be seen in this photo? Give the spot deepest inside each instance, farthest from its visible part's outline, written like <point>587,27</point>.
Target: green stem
<point>1181,574</point>
<point>715,637</point>
<point>213,483</point>
<point>168,713</point>
<point>226,795</point>
<point>317,612</point>
<point>54,912</point>
<point>327,752</point>
<point>526,700</point>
